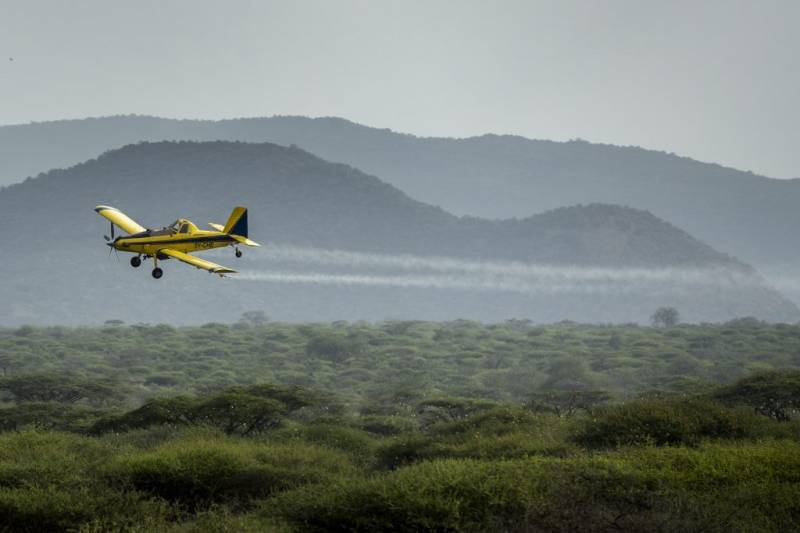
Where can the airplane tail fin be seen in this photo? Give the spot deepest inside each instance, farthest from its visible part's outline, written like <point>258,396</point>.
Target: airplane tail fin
<point>237,222</point>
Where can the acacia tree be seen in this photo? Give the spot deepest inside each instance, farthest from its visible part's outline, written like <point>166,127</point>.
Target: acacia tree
<point>254,318</point>
<point>665,317</point>
<point>567,403</point>
<point>775,394</point>
<point>235,410</point>
<point>61,389</point>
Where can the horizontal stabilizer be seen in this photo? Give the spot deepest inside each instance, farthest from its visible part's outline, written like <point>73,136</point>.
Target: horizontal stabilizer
<point>218,227</point>
<point>244,240</point>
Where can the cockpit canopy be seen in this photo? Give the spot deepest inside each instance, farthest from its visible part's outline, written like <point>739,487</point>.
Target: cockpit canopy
<point>182,226</point>
<point>178,227</point>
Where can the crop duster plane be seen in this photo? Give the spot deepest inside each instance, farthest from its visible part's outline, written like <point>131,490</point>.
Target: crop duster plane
<point>176,240</point>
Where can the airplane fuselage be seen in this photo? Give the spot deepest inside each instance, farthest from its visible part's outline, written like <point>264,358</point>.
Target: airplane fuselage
<point>149,243</point>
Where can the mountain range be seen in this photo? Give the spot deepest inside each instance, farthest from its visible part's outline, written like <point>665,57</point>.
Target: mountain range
<point>492,176</point>
<point>342,244</point>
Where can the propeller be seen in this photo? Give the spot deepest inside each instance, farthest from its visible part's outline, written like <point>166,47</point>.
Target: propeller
<point>106,237</point>
<point>113,248</point>
<point>110,241</point>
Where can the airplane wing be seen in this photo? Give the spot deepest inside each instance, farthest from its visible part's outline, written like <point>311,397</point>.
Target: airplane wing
<point>196,261</point>
<point>119,218</point>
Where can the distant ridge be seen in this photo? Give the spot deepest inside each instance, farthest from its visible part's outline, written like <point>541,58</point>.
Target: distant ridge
<point>295,198</point>
<point>493,176</point>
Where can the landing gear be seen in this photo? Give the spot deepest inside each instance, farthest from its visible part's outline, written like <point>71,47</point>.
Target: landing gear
<point>136,261</point>
<point>238,253</point>
<point>157,272</point>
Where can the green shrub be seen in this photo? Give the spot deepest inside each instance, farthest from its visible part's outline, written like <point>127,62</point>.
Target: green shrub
<point>665,422</point>
<point>48,482</point>
<point>336,436</point>
<point>197,473</point>
<point>775,394</point>
<point>217,518</point>
<point>712,488</point>
<point>500,433</point>
<point>437,410</point>
<point>235,410</point>
<point>51,508</point>
<point>445,495</point>
<point>153,436</point>
<point>385,426</point>
<point>44,387</point>
<point>49,459</point>
<point>49,416</point>
<point>492,421</point>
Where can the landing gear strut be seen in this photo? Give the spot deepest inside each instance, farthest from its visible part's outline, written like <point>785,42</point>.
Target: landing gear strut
<point>136,261</point>
<point>157,272</point>
<point>238,253</point>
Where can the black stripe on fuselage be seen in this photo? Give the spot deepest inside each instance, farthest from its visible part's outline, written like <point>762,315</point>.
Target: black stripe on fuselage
<point>212,238</point>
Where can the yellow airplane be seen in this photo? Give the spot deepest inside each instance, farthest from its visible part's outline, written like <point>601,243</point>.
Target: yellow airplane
<point>176,240</point>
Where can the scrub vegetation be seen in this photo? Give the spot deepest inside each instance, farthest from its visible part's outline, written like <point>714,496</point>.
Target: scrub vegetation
<point>398,426</point>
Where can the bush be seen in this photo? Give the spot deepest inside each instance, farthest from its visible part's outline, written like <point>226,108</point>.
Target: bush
<point>335,436</point>
<point>235,410</point>
<point>41,509</point>
<point>47,483</point>
<point>665,422</point>
<point>493,421</point>
<point>49,416</point>
<point>197,473</point>
<point>774,394</point>
<point>445,495</point>
<point>714,488</point>
<point>500,433</point>
<point>62,389</point>
<point>385,426</point>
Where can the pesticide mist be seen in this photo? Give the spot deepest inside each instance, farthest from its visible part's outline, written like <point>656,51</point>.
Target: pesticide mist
<point>291,264</point>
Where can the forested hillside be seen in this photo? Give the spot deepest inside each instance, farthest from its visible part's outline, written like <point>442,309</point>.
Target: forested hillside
<point>493,270</point>
<point>493,176</point>
<point>363,363</point>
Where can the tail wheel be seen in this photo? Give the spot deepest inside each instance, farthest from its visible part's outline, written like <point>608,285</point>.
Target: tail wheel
<point>136,261</point>
<point>238,253</point>
<point>157,273</point>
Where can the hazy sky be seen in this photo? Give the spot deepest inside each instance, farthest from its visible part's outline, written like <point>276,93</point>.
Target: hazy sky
<point>716,80</point>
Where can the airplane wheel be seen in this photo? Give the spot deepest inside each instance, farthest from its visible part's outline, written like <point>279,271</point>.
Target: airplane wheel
<point>157,273</point>
<point>135,261</point>
<point>238,253</point>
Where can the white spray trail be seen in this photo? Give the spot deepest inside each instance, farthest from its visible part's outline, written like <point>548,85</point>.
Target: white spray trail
<point>423,282</point>
<point>508,276</point>
<point>512,268</point>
